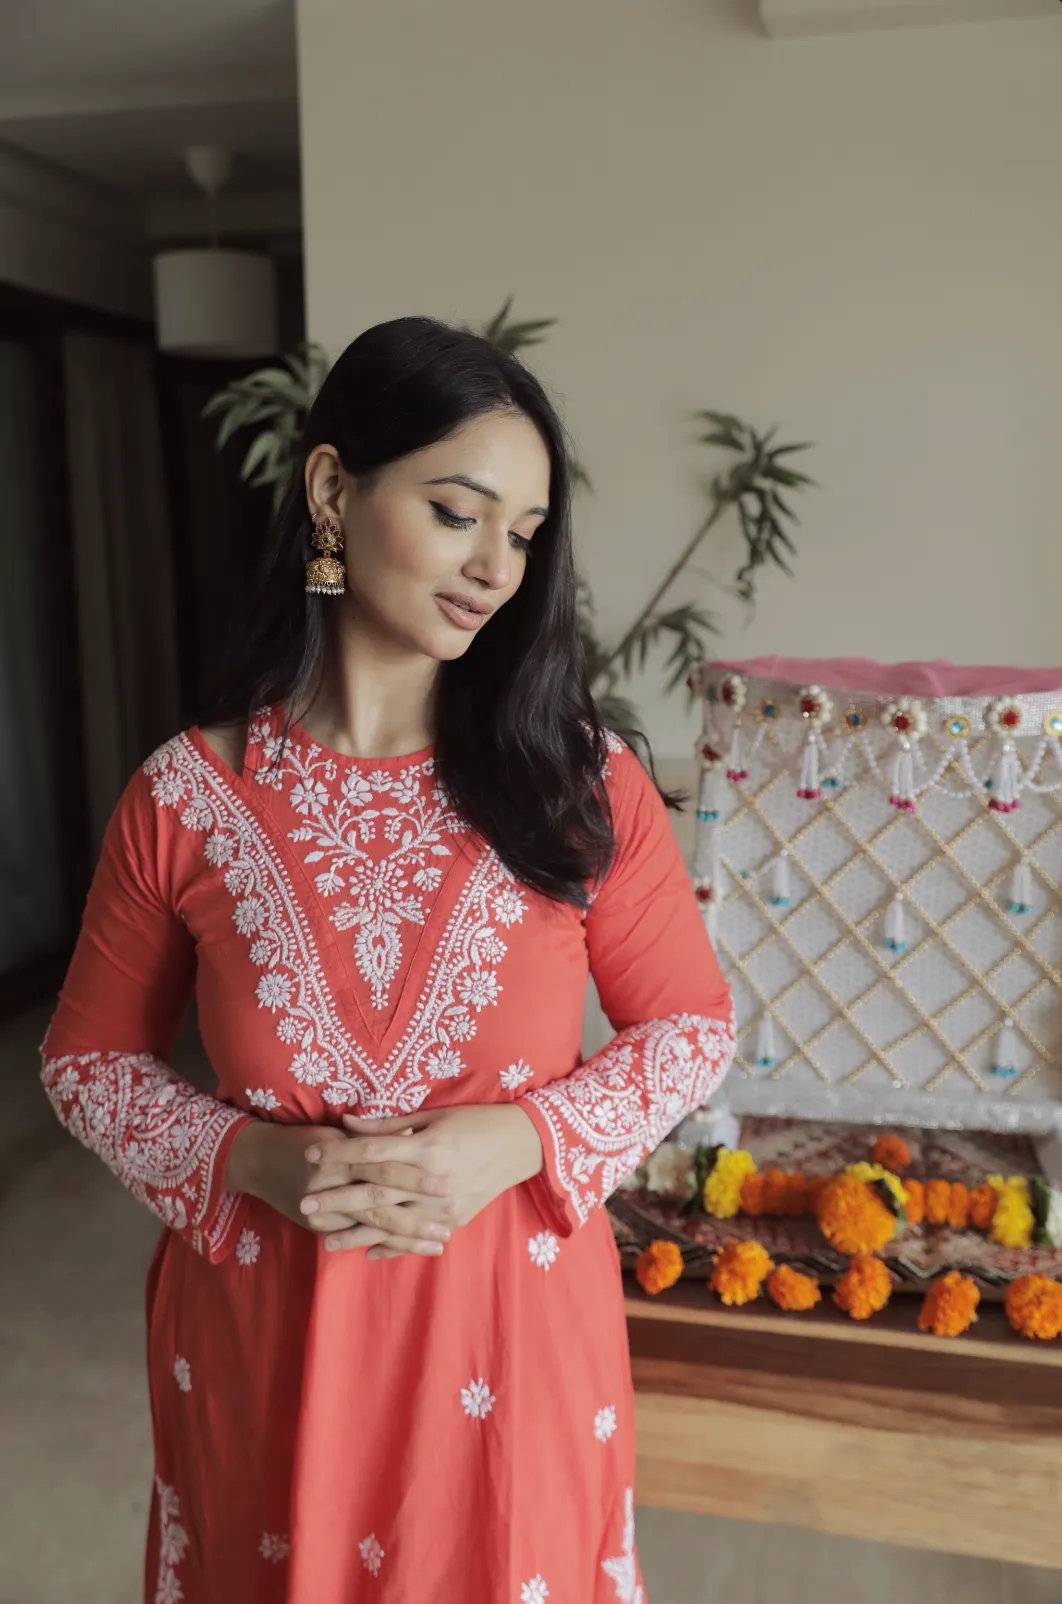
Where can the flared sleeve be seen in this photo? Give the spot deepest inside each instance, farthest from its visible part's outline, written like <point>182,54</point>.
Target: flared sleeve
<point>661,987</point>
<point>104,1056</point>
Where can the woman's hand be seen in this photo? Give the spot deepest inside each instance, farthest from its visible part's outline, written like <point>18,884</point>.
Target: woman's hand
<point>474,1153</point>
<point>272,1162</point>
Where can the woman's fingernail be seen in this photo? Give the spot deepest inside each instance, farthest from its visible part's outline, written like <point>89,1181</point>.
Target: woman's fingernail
<point>433,1249</point>
<point>313,1155</point>
<point>333,1244</point>
<point>439,1232</point>
<point>309,1205</point>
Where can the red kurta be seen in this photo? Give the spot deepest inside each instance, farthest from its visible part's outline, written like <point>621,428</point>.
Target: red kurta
<point>412,1431</point>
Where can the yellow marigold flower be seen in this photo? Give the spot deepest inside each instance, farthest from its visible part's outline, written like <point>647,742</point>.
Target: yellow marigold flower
<point>659,1267</point>
<point>1012,1223</point>
<point>739,1271</point>
<point>950,1305</point>
<point>722,1189</point>
<point>865,1287</point>
<point>852,1217</point>
<point>877,1172</point>
<point>791,1290</point>
<point>1034,1306</point>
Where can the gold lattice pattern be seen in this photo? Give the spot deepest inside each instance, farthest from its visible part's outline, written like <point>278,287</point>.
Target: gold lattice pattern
<point>844,1003</point>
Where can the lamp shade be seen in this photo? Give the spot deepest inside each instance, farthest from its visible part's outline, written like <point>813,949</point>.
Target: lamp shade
<point>216,303</point>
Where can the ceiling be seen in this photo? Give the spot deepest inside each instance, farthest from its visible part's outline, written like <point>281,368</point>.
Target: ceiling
<point>114,90</point>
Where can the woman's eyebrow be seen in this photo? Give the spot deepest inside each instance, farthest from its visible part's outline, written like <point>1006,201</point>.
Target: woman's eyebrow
<point>482,490</point>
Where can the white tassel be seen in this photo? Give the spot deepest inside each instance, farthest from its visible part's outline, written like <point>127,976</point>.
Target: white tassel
<point>1005,1060</point>
<point>1021,889</point>
<point>895,926</point>
<point>766,1045</point>
<point>810,789</point>
<point>1007,781</point>
<point>708,794</point>
<point>781,883</point>
<point>736,769</point>
<point>903,790</point>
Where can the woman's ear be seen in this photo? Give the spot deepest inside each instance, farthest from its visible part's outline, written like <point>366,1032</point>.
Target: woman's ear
<point>325,481</point>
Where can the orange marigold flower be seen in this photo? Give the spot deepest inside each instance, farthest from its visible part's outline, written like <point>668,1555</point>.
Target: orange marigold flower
<point>752,1195</point>
<point>775,1183</point>
<point>852,1216</point>
<point>983,1201</point>
<point>865,1287</point>
<point>791,1290</point>
<point>915,1207</point>
<point>1034,1306</point>
<point>958,1206</point>
<point>938,1201</point>
<point>892,1152</point>
<point>739,1270</point>
<point>659,1267</point>
<point>796,1195</point>
<point>950,1305</point>
<point>815,1186</point>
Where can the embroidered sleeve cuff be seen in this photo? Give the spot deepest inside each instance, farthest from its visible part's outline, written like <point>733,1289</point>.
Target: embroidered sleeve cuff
<point>599,1123</point>
<point>167,1142</point>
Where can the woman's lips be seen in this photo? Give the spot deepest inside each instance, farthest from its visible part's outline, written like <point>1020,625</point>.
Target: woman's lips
<point>463,617</point>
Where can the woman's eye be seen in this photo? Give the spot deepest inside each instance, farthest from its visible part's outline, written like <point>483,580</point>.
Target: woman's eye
<point>452,520</point>
<point>520,542</point>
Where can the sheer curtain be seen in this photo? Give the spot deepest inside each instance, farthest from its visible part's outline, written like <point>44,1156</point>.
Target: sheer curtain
<point>122,560</point>
<point>32,889</point>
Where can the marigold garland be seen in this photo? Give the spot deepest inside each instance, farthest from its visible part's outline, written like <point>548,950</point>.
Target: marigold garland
<point>752,1196</point>
<point>915,1207</point>
<point>958,1206</point>
<point>892,1152</point>
<point>1034,1306</point>
<point>722,1189</point>
<point>852,1216</point>
<point>950,1305</point>
<point>739,1271</point>
<point>865,1287</point>
<point>659,1267</point>
<point>938,1199</point>
<point>789,1289</point>
<point>982,1206</point>
<point>1012,1222</point>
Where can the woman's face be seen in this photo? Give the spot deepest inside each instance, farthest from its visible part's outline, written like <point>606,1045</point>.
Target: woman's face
<point>437,542</point>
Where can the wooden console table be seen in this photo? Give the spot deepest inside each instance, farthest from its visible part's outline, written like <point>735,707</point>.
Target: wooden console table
<point>863,1430</point>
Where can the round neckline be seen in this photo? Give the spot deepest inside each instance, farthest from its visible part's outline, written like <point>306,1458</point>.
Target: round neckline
<point>299,731</point>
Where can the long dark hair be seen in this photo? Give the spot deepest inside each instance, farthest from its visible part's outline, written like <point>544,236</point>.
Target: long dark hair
<point>519,745</point>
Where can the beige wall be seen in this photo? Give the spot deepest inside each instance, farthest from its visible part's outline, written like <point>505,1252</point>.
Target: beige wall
<point>859,237</point>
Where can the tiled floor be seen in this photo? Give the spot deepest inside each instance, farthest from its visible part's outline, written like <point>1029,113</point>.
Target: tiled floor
<point>74,1440</point>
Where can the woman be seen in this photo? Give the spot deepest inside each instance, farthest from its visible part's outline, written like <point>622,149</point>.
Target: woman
<point>387,1346</point>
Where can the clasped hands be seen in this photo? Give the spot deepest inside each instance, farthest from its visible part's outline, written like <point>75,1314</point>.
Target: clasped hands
<point>393,1186</point>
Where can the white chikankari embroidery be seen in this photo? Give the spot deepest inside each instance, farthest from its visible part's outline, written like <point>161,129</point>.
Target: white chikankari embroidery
<point>624,1568</point>
<point>248,1246</point>
<point>274,1547</point>
<point>616,1108</point>
<point>260,1097</point>
<point>173,1543</point>
<point>406,812</point>
<point>182,1374</point>
<point>153,1130</point>
<point>534,1592</point>
<point>461,980</point>
<point>515,1075</point>
<point>372,1555</point>
<point>605,1423</point>
<point>477,1399</point>
<point>543,1249</point>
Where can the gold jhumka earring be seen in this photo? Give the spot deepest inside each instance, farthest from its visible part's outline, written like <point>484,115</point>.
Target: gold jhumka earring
<point>325,575</point>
